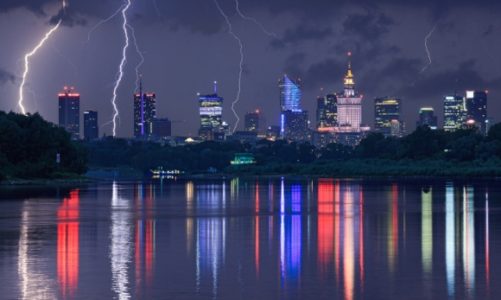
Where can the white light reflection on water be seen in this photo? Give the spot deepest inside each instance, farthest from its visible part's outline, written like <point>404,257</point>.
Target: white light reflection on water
<point>121,244</point>
<point>33,282</point>
<point>469,240</point>
<point>210,237</point>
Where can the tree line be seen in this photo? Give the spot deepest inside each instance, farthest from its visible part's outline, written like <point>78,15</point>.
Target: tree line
<point>30,147</point>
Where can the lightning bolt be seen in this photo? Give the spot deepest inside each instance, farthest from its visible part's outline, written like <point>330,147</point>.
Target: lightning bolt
<point>241,64</point>
<point>428,53</point>
<point>157,9</point>
<point>254,20</point>
<point>103,21</point>
<point>120,76</point>
<point>139,53</point>
<point>28,56</point>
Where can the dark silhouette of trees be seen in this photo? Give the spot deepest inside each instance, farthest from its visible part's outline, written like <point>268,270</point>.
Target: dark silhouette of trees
<point>29,147</point>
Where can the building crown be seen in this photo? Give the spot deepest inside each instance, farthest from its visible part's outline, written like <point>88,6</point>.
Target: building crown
<point>349,79</point>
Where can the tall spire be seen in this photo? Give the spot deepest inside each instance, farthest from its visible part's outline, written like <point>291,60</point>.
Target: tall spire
<point>141,94</point>
<point>140,84</point>
<point>215,87</point>
<point>349,79</point>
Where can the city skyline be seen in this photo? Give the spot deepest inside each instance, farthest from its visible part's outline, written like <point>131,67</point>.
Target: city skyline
<point>314,52</point>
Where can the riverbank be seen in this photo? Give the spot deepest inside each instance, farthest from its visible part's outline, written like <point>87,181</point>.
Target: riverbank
<point>377,168</point>
<point>69,179</point>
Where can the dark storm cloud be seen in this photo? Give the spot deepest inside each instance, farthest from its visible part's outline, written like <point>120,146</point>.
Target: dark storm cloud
<point>6,76</point>
<point>367,26</point>
<point>302,34</point>
<point>201,16</point>
<point>445,82</point>
<point>392,76</point>
<point>33,5</point>
<point>324,74</point>
<point>293,62</point>
<point>70,18</point>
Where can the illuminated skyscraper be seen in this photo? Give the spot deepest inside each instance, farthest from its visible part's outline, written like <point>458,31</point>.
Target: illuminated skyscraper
<point>69,112</point>
<point>327,111</point>
<point>252,121</point>
<point>427,118</point>
<point>91,128</point>
<point>290,99</point>
<point>290,94</point>
<point>144,113</point>
<point>349,105</point>
<point>211,115</point>
<point>454,112</point>
<point>476,109</point>
<point>387,116</point>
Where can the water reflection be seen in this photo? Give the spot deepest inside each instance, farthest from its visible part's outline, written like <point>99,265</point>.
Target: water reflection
<point>487,244</point>
<point>145,236</point>
<point>210,237</point>
<point>68,244</point>
<point>393,227</point>
<point>450,239</point>
<point>427,230</point>
<point>468,240</point>
<point>121,244</point>
<point>34,282</point>
<point>275,238</point>
<point>340,235</point>
<point>290,234</point>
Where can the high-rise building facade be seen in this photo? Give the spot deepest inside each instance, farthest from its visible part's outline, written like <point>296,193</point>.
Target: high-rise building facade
<point>327,111</point>
<point>296,126</point>
<point>252,121</point>
<point>144,113</point>
<point>349,105</point>
<point>161,128</point>
<point>290,94</point>
<point>69,112</point>
<point>476,109</point>
<point>290,99</point>
<point>387,116</point>
<point>91,127</point>
<point>427,118</point>
<point>454,113</point>
<point>211,115</point>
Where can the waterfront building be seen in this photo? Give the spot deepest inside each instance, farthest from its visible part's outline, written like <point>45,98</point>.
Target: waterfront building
<point>349,104</point>
<point>290,99</point>
<point>211,116</point>
<point>296,126</point>
<point>252,121</point>
<point>476,109</point>
<point>387,116</point>
<point>454,113</point>
<point>144,113</point>
<point>69,111</point>
<point>327,111</point>
<point>91,127</point>
<point>427,118</point>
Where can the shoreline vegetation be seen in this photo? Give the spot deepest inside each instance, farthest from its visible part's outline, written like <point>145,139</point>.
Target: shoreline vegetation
<point>34,151</point>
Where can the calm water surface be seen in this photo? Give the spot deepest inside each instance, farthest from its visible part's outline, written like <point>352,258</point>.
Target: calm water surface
<point>252,239</point>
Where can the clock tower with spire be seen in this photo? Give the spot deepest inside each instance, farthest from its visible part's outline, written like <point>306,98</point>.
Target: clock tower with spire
<point>349,104</point>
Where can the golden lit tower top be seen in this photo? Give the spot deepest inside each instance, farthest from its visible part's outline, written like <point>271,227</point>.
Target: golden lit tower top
<point>349,80</point>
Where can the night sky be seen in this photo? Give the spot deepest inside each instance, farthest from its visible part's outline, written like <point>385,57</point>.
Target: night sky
<point>187,46</point>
